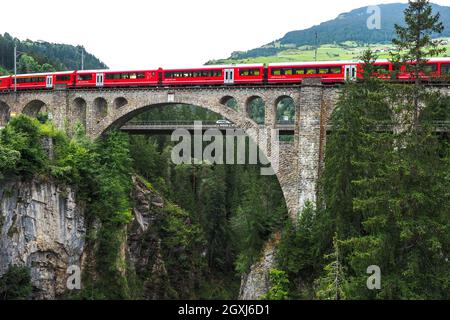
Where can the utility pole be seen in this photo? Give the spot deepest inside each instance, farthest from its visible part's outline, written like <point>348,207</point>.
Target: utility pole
<point>317,47</point>
<point>15,68</point>
<point>82,59</point>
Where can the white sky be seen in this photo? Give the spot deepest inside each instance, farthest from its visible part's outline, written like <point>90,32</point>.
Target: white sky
<point>134,34</point>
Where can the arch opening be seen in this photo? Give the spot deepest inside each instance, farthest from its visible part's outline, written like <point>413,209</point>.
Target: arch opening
<point>33,108</point>
<point>229,102</point>
<point>120,102</point>
<point>79,107</point>
<point>204,189</point>
<point>5,113</point>
<point>256,109</point>
<point>285,110</point>
<point>100,109</point>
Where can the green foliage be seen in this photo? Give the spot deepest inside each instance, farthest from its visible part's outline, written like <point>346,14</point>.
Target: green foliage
<point>15,284</point>
<point>415,36</point>
<point>279,283</point>
<point>22,136</point>
<point>43,56</point>
<point>331,285</point>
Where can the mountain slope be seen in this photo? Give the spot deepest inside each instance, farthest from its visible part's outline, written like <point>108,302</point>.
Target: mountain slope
<point>351,26</point>
<point>44,56</point>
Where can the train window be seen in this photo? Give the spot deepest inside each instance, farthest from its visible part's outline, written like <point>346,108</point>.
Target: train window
<point>276,72</point>
<point>62,78</point>
<point>84,77</point>
<point>153,73</point>
<point>30,80</point>
<point>335,70</point>
<point>445,69</point>
<point>249,72</point>
<point>287,72</point>
<point>243,73</point>
<point>311,71</point>
<point>299,71</point>
<point>323,70</point>
<point>429,68</point>
<point>382,68</point>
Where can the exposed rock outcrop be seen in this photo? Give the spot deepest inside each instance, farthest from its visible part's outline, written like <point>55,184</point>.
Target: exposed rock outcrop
<point>256,283</point>
<point>144,244</point>
<point>41,227</point>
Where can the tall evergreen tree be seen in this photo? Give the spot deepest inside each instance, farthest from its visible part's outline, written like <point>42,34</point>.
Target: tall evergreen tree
<point>415,39</point>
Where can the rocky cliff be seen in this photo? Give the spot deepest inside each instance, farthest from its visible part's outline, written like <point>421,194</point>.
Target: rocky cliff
<point>256,282</point>
<point>41,227</point>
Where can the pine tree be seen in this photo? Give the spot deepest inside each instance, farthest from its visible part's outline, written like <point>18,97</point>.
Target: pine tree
<point>415,38</point>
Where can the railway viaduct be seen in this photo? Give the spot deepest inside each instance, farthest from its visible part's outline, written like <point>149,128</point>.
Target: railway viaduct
<point>299,161</point>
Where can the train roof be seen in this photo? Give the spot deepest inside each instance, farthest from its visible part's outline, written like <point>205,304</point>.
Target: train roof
<point>43,74</point>
<point>220,66</point>
<point>319,63</point>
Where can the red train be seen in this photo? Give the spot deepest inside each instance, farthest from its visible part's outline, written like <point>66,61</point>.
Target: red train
<point>276,73</point>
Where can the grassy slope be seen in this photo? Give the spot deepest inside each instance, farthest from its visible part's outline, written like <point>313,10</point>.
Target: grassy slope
<point>345,51</point>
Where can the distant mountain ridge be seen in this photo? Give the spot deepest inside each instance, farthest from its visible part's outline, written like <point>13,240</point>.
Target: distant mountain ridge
<point>350,26</point>
<point>45,56</point>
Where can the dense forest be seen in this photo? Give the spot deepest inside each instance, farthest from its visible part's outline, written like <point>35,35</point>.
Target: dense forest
<point>42,56</point>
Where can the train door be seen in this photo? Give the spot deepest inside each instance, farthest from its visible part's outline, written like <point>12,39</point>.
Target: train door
<point>350,73</point>
<point>100,79</point>
<point>49,82</point>
<point>229,76</point>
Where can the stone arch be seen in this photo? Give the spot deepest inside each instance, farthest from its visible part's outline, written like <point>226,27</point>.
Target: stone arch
<point>230,102</point>
<point>120,102</point>
<point>79,110</point>
<point>100,109</point>
<point>256,109</point>
<point>284,109</point>
<point>34,107</point>
<point>123,115</point>
<point>5,113</point>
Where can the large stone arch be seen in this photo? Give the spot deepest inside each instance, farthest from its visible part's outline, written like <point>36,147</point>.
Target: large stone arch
<point>123,115</point>
<point>34,107</point>
<point>78,111</point>
<point>5,112</point>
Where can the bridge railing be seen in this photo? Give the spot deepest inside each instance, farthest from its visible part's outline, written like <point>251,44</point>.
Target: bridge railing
<point>440,125</point>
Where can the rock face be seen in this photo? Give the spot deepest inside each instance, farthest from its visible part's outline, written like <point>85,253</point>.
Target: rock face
<point>257,282</point>
<point>41,227</point>
<point>144,244</point>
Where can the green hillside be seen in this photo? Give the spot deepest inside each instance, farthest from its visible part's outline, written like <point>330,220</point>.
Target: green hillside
<point>348,50</point>
<point>340,39</point>
<point>41,56</point>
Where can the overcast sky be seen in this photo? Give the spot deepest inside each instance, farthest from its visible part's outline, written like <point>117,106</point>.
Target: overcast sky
<point>134,34</point>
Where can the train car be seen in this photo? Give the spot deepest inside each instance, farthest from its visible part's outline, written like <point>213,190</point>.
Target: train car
<point>245,74</point>
<point>209,75</point>
<point>65,79</point>
<point>434,70</point>
<point>90,78</point>
<point>131,78</point>
<point>33,81</point>
<point>5,83</point>
<point>329,72</point>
